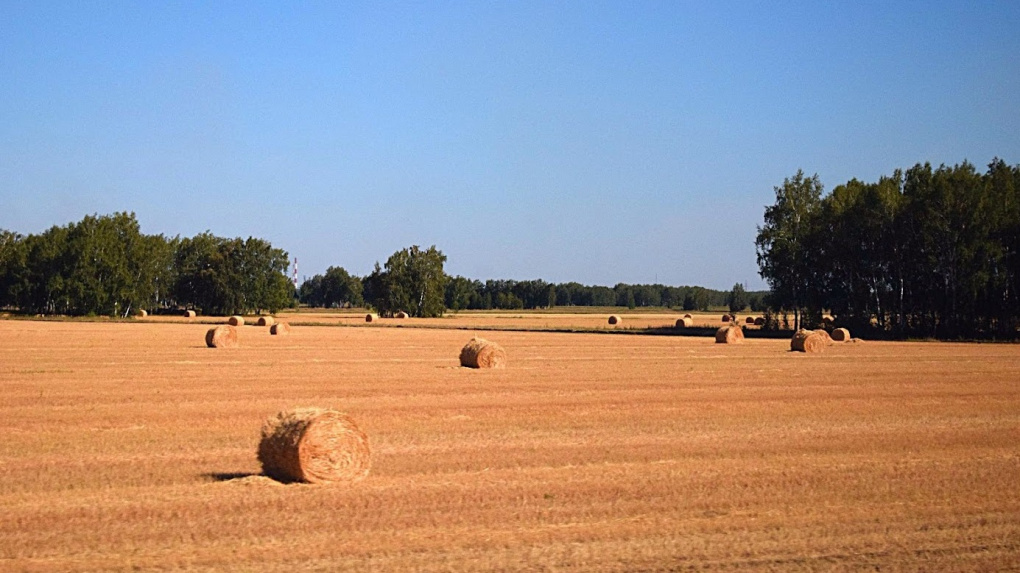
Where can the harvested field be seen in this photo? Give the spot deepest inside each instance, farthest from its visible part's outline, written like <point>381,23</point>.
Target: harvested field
<point>124,449</point>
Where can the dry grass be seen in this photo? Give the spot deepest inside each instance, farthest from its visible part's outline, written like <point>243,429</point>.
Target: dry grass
<point>124,449</point>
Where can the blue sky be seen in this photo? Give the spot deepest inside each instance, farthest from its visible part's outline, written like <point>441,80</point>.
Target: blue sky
<point>600,142</point>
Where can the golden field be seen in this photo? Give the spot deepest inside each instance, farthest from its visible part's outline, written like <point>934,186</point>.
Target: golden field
<point>131,446</point>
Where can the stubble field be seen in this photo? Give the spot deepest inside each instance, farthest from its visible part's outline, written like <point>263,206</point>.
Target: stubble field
<point>131,446</point>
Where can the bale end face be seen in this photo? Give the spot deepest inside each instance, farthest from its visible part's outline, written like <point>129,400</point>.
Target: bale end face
<point>189,314</point>
<point>371,317</point>
<point>279,329</point>
<point>236,320</point>
<point>808,341</point>
<point>759,321</point>
<point>841,335</point>
<point>314,445</point>
<point>689,316</point>
<point>481,353</point>
<point>401,314</point>
<point>684,322</point>
<point>221,337</point>
<point>142,314</point>
<point>613,319</point>
<point>266,321</point>
<point>731,334</point>
<point>725,318</point>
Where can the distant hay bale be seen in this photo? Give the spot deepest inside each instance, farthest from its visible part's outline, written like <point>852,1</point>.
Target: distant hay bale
<point>481,353</point>
<point>401,314</point>
<point>807,341</point>
<point>236,320</point>
<point>189,314</point>
<point>749,320</point>
<point>730,334</point>
<point>142,313</point>
<point>266,321</point>
<point>689,316</point>
<point>725,318</point>
<point>614,319</point>
<point>371,317</point>
<point>841,335</point>
<point>759,321</point>
<point>279,329</point>
<point>684,322</point>
<point>825,335</point>
<point>223,336</point>
<point>314,445</point>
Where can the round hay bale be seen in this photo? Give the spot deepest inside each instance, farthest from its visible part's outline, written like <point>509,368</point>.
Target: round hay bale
<point>314,445</point>
<point>189,314</point>
<point>841,335</point>
<point>223,336</point>
<point>731,334</point>
<point>725,318</point>
<point>614,319</point>
<point>371,317</point>
<point>480,353</point>
<point>807,341</point>
<point>401,314</point>
<point>684,322</point>
<point>825,335</point>
<point>266,321</point>
<point>142,313</point>
<point>759,321</point>
<point>689,316</point>
<point>236,320</point>
<point>749,320</point>
<point>279,329</point>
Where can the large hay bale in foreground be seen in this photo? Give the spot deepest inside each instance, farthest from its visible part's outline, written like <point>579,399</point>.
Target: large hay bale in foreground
<point>236,320</point>
<point>807,341</point>
<point>401,314</point>
<point>684,322</point>
<point>371,317</point>
<point>314,445</point>
<point>266,321</point>
<point>730,334</point>
<point>223,336</point>
<point>481,353</point>
<point>189,314</point>
<point>614,319</point>
<point>841,335</point>
<point>280,328</point>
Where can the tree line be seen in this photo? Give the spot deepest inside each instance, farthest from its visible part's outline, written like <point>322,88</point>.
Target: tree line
<point>413,281</point>
<point>104,265</point>
<point>928,252</point>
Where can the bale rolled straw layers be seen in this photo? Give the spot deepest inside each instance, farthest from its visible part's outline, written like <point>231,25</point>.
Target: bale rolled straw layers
<point>236,320</point>
<point>481,353</point>
<point>841,335</point>
<point>730,334</point>
<point>314,445</point>
<point>223,336</point>
<point>371,317</point>
<point>279,329</point>
<point>189,314</point>
<point>266,321</point>
<point>807,341</point>
<point>684,322</point>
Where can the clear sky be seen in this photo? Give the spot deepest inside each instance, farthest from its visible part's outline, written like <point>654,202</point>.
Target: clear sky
<point>598,142</point>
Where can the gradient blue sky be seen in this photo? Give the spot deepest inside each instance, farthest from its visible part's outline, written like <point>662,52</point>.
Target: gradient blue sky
<point>600,142</point>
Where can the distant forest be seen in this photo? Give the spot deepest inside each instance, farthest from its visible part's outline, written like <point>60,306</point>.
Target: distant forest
<point>926,252</point>
<point>104,265</point>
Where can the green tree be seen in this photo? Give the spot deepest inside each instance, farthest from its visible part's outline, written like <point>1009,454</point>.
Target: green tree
<point>340,288</point>
<point>737,299</point>
<point>782,245</point>
<point>413,281</point>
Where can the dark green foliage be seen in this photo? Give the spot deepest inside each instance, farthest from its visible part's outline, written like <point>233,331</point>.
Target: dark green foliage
<point>413,281</point>
<point>737,300</point>
<point>926,252</point>
<point>337,288</point>
<point>104,265</point>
